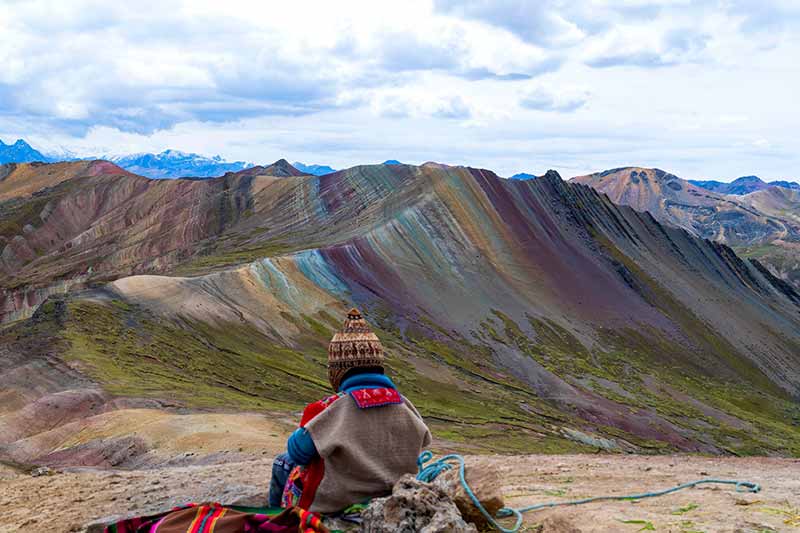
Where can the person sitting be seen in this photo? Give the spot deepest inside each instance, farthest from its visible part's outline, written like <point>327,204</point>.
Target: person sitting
<point>352,446</point>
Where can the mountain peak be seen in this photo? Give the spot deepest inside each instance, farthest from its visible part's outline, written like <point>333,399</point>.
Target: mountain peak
<point>169,152</point>
<point>785,184</point>
<point>552,175</point>
<point>20,152</point>
<point>173,163</point>
<point>280,169</point>
<point>748,180</point>
<point>314,169</point>
<point>523,176</point>
<point>283,168</point>
<point>739,186</point>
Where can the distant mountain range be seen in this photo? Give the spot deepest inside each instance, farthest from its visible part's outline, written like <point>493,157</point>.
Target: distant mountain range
<point>315,170</point>
<point>166,165</point>
<point>321,170</point>
<point>786,184</point>
<point>171,164</point>
<point>177,164</point>
<point>743,185</point>
<point>19,152</point>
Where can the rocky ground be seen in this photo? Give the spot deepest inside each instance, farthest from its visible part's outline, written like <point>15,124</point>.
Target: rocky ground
<point>79,497</point>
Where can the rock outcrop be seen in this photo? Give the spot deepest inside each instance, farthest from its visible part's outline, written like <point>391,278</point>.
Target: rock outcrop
<point>414,506</point>
<point>485,482</point>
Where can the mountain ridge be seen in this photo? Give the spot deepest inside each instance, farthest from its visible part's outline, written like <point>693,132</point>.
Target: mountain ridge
<point>171,164</point>
<point>316,170</point>
<point>743,185</point>
<point>763,225</point>
<point>536,305</point>
<point>20,152</point>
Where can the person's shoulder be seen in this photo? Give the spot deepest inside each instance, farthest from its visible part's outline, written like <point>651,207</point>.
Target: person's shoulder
<point>315,408</point>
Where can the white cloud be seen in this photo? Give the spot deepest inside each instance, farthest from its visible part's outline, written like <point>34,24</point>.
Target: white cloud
<point>540,22</point>
<point>550,98</point>
<point>403,105</point>
<point>641,46</point>
<point>509,85</point>
<point>146,65</point>
<point>761,143</point>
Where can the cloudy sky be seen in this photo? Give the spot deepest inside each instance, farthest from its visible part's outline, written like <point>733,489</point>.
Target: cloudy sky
<point>705,88</point>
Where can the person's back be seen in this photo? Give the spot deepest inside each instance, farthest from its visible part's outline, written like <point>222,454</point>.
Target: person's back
<point>366,444</point>
<point>354,445</point>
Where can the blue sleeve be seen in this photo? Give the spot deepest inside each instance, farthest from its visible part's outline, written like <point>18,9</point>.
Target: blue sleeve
<point>301,447</point>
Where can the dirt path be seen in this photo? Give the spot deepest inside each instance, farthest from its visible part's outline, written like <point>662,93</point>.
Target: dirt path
<point>78,498</point>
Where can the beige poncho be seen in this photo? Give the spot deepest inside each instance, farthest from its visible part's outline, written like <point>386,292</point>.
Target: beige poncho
<point>365,450</point>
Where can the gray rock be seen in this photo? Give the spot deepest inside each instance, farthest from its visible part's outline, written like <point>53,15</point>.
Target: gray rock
<point>42,471</point>
<point>485,484</point>
<point>414,506</point>
<point>591,440</point>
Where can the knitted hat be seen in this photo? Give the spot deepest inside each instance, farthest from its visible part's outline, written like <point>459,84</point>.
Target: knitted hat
<point>355,346</point>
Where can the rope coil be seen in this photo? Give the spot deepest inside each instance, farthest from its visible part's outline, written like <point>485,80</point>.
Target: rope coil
<point>427,473</point>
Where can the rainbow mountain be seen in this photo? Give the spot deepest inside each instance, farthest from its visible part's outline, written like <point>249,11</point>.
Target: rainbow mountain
<point>519,315</point>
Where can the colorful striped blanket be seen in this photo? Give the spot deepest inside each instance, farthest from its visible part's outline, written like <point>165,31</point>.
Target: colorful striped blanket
<point>217,518</point>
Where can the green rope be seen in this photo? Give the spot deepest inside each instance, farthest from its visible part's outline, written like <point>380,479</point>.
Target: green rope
<point>428,473</point>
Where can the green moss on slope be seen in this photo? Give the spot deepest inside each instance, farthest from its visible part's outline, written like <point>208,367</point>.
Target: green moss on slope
<point>15,215</point>
<point>225,254</point>
<point>134,354</point>
<point>647,372</point>
<point>471,404</point>
<point>710,348</point>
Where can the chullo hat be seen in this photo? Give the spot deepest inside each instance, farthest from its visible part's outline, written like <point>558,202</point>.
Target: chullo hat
<point>354,346</point>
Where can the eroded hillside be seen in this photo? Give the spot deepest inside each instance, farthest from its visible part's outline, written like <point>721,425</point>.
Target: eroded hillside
<point>763,225</point>
<point>534,306</point>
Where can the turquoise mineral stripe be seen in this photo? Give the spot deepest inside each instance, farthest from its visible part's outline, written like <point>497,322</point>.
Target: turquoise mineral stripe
<point>273,278</point>
<point>316,269</point>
